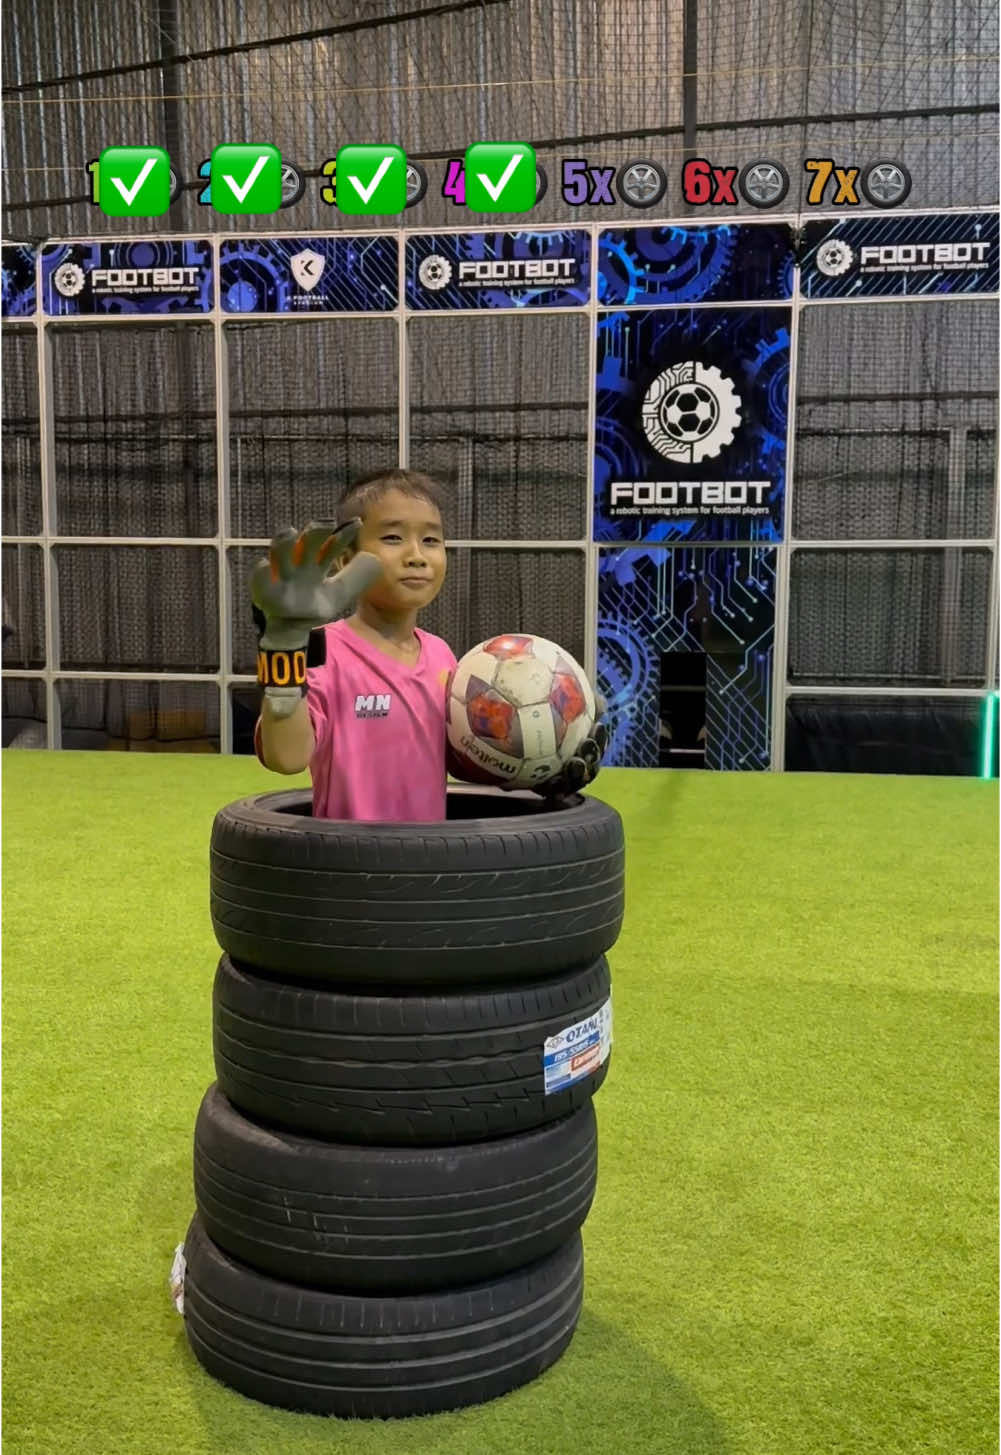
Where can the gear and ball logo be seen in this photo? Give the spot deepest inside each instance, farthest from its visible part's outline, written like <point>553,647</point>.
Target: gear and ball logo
<point>435,272</point>
<point>690,412</point>
<point>834,258</point>
<point>68,279</point>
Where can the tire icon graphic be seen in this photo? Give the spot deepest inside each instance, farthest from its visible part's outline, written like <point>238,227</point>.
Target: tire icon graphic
<point>293,185</point>
<point>417,183</point>
<point>885,184</point>
<point>641,183</point>
<point>763,184</point>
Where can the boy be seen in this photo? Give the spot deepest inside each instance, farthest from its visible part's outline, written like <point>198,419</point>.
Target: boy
<point>371,725</point>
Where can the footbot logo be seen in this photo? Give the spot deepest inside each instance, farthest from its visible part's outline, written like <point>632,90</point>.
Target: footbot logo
<point>834,258</point>
<point>435,272</point>
<point>690,412</point>
<point>69,279</point>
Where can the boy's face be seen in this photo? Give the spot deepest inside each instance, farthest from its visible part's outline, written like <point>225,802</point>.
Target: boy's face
<point>406,534</point>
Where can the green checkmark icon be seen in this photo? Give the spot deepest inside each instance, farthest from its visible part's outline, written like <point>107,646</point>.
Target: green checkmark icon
<point>246,179</point>
<point>371,180</point>
<point>133,182</point>
<point>500,176</point>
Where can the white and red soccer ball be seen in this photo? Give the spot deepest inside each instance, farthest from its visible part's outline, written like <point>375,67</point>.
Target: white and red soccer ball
<point>518,707</point>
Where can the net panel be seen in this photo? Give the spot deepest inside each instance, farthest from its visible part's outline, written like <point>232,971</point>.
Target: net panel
<point>889,617</point>
<point>135,436</point>
<point>138,608</point>
<point>22,474</point>
<point>499,415</point>
<point>313,404</point>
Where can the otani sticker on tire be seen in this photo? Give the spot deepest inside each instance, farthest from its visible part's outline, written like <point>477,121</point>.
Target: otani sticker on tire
<point>578,1051</point>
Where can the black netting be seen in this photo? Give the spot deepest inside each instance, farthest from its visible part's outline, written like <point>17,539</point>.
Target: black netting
<point>24,718</point>
<point>980,482</point>
<point>22,477</point>
<point>856,82</point>
<point>487,592</point>
<point>138,608</point>
<point>940,736</point>
<point>499,415</point>
<point>893,617</point>
<point>313,404</point>
<point>135,432</point>
<point>23,587</point>
<point>140,716</point>
<point>895,421</point>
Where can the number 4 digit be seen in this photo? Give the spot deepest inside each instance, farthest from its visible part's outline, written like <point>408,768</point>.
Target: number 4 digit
<point>455,183</point>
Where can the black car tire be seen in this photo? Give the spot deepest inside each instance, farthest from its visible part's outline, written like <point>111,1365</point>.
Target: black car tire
<point>504,889</point>
<point>389,1219</point>
<point>341,1354</point>
<point>400,1070</point>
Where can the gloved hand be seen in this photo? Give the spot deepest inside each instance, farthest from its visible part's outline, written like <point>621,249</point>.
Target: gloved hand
<point>580,770</point>
<point>292,593</point>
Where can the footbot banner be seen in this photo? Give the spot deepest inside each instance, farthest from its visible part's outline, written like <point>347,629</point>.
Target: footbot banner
<point>689,395</point>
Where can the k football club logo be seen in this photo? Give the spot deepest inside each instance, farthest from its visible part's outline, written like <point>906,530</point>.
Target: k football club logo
<point>307,268</point>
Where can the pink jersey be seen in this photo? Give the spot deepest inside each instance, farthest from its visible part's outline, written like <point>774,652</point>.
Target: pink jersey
<point>380,730</point>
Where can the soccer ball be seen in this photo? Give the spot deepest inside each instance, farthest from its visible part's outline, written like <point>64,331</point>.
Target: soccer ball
<point>518,708</point>
<point>690,412</point>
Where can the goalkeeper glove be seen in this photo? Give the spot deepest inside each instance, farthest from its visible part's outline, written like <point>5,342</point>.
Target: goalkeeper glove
<point>580,770</point>
<point>292,594</point>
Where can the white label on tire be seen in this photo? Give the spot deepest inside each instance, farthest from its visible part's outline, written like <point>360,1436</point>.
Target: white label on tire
<point>578,1051</point>
<point>177,1272</point>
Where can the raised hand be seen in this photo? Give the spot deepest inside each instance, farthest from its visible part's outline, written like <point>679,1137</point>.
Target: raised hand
<point>293,593</point>
<point>292,587</point>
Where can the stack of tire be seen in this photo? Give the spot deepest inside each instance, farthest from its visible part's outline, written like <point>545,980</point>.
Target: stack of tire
<point>394,1164</point>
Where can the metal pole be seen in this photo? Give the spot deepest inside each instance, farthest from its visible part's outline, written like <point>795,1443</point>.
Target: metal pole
<point>994,597</point>
<point>223,512</point>
<point>689,84</point>
<point>952,563</point>
<point>47,466</point>
<point>591,549</point>
<point>783,556</point>
<point>402,354</point>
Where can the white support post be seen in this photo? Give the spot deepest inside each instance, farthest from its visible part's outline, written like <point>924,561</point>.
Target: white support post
<point>402,353</point>
<point>50,524</point>
<point>994,597</point>
<point>223,523</point>
<point>592,554</point>
<point>783,557</point>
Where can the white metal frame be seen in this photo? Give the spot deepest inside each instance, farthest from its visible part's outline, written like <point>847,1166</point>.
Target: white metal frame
<point>782,688</point>
<point>222,542</point>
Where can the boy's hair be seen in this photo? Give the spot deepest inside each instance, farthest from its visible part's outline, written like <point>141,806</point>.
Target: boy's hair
<point>363,493</point>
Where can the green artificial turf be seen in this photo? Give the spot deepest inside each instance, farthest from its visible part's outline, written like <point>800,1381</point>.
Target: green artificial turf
<point>793,1250</point>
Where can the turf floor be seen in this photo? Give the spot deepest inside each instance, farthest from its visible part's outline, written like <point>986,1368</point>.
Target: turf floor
<point>794,1246</point>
